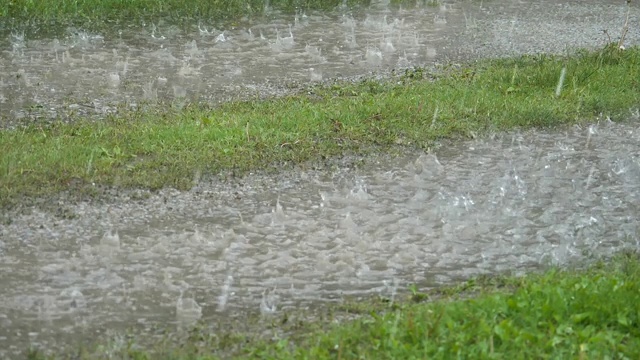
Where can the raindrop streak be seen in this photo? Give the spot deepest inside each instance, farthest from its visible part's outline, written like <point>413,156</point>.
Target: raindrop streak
<point>563,73</point>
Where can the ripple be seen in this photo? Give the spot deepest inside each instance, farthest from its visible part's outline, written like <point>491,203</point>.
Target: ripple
<point>510,203</point>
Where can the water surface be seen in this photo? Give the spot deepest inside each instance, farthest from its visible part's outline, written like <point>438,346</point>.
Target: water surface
<point>510,203</point>
<point>84,73</point>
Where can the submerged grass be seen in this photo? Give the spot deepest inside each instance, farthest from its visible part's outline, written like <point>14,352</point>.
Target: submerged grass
<point>593,313</point>
<point>172,147</point>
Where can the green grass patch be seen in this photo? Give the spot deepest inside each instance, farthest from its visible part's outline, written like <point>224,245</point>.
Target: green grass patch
<point>591,313</point>
<point>160,147</point>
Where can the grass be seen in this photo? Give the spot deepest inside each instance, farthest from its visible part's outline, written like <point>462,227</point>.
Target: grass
<point>158,147</point>
<point>592,313</point>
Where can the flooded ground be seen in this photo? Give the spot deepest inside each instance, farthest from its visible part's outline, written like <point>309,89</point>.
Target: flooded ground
<point>91,74</point>
<point>508,203</point>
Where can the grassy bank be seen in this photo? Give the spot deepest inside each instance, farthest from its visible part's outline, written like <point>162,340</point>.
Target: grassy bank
<point>96,14</point>
<point>592,313</point>
<point>160,147</point>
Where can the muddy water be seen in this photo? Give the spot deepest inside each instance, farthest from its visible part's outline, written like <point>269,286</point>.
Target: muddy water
<point>511,203</point>
<point>91,74</point>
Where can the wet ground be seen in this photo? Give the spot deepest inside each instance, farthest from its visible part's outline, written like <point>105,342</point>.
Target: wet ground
<point>92,74</point>
<point>511,202</point>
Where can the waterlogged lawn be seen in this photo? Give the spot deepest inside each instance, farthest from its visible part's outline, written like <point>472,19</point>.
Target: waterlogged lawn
<point>163,146</point>
<point>592,313</point>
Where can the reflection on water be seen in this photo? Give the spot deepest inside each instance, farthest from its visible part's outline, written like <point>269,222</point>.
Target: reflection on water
<point>509,203</point>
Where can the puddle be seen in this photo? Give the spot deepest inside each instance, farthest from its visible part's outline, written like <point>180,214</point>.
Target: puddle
<point>510,203</point>
<point>91,74</point>
<point>507,204</point>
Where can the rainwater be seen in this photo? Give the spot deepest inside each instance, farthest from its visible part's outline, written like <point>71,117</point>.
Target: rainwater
<point>510,203</point>
<point>505,203</point>
<point>84,73</point>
